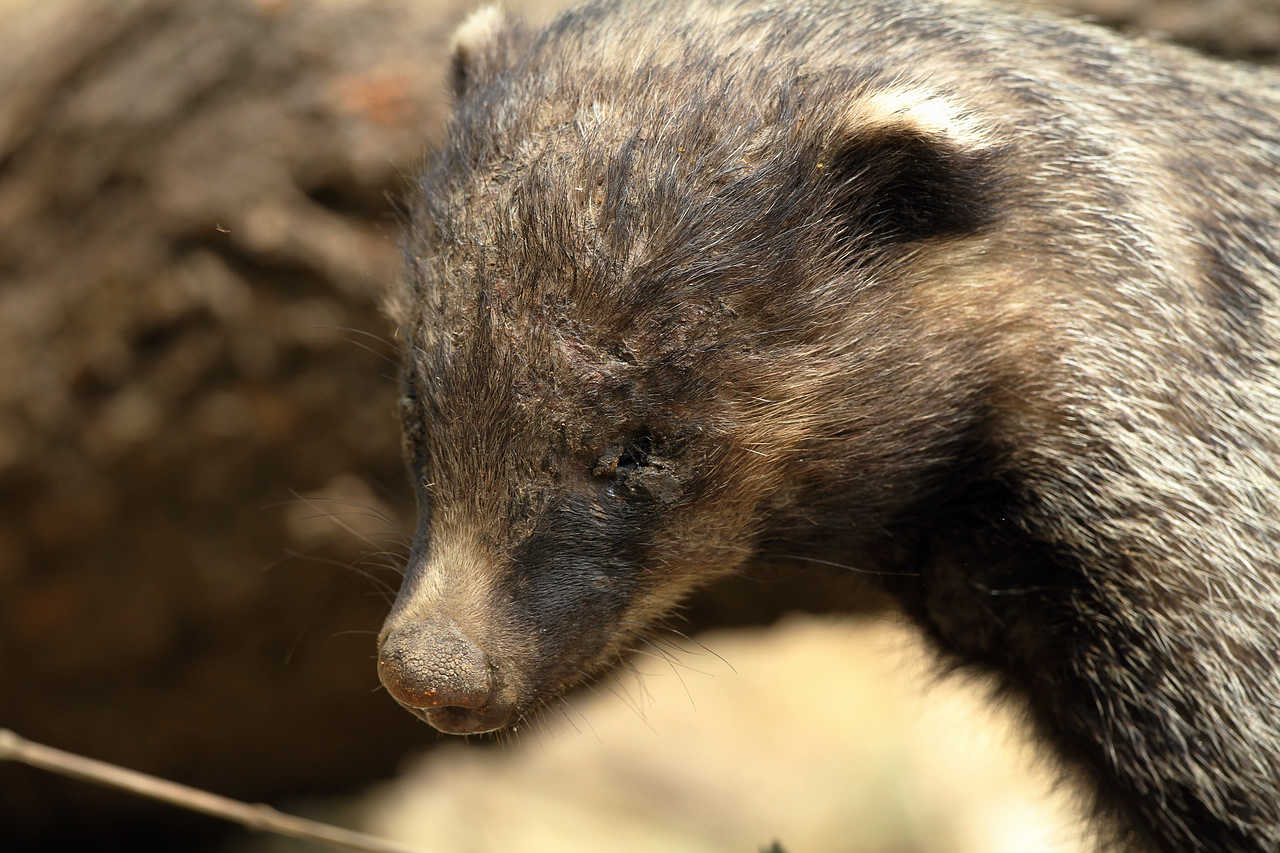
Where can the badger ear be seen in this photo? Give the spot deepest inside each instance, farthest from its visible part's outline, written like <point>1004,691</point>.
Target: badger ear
<point>480,47</point>
<point>906,165</point>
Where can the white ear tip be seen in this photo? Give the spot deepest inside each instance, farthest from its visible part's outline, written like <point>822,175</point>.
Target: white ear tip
<point>925,110</point>
<point>478,29</point>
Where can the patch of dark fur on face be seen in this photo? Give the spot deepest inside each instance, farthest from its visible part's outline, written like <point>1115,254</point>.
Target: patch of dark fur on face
<point>575,576</point>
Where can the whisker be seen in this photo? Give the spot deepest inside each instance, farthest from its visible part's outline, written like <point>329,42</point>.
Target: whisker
<point>564,712</point>
<point>702,646</point>
<point>378,582</point>
<point>361,345</point>
<point>741,549</point>
<point>626,700</point>
<point>385,341</point>
<point>585,719</point>
<point>672,658</point>
<point>672,663</point>
<point>335,519</point>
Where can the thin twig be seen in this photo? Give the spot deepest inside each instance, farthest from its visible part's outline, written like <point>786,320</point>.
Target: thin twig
<point>254,816</point>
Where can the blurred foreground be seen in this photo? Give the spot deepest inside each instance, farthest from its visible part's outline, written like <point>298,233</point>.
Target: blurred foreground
<point>823,734</point>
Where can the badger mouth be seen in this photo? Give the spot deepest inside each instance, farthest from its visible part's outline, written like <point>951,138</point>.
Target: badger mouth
<point>454,720</point>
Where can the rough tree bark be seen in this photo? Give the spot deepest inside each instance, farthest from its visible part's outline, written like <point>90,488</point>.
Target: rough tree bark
<point>194,231</point>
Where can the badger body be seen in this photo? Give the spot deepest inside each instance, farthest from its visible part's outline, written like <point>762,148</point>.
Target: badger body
<point>982,306</point>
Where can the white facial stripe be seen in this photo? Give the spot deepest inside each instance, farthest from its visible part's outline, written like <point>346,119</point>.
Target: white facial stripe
<point>457,584</point>
<point>478,29</point>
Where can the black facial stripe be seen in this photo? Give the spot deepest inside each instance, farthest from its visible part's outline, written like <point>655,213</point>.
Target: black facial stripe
<point>579,570</point>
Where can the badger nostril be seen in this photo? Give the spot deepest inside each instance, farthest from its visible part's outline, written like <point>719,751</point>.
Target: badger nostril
<point>434,666</point>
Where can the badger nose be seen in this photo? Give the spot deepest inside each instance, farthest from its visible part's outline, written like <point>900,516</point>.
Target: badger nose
<point>434,666</point>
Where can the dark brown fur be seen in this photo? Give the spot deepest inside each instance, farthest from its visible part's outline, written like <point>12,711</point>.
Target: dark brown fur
<point>981,304</point>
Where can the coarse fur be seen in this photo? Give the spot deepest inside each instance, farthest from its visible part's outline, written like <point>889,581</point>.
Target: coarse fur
<point>982,304</point>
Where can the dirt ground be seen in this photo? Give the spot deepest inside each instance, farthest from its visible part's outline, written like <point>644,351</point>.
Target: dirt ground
<point>202,504</point>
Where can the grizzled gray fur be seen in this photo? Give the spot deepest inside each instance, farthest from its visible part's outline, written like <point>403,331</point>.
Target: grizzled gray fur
<point>983,306</point>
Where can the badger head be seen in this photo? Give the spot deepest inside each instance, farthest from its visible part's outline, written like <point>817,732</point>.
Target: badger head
<point>656,318</point>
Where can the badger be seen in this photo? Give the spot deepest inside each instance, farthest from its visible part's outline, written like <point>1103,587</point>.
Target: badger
<point>981,305</point>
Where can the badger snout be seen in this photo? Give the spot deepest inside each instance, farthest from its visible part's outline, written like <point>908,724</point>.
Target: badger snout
<point>441,675</point>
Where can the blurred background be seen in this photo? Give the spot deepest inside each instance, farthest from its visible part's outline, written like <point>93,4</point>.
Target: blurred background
<point>202,506</point>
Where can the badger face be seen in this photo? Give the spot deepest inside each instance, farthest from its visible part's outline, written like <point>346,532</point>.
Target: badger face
<point>633,346</point>
<point>562,509</point>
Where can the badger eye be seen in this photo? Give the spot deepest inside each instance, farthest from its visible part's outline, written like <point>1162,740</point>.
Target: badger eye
<point>621,459</point>
<point>635,453</point>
